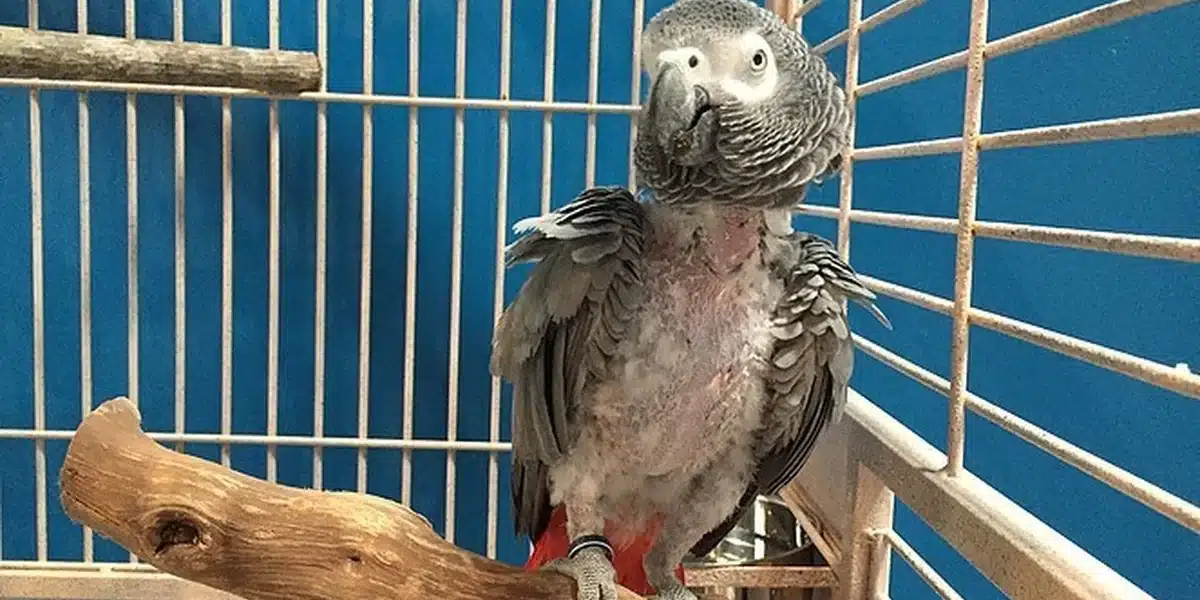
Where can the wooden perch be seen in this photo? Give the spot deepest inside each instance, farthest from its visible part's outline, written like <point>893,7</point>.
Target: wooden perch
<point>72,56</point>
<point>262,541</point>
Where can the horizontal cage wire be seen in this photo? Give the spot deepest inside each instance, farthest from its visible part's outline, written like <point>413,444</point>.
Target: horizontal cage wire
<point>157,196</point>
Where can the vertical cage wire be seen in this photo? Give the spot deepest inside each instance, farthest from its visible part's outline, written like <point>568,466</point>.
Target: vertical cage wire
<point>410,269</point>
<point>227,248</point>
<point>273,257</point>
<point>319,302</point>
<point>635,84</point>
<point>846,185</point>
<point>589,179</point>
<point>180,246</point>
<point>965,250</point>
<point>456,232</point>
<point>364,318</point>
<point>131,211</point>
<point>85,261</point>
<point>548,96</point>
<point>39,304</point>
<point>498,269</point>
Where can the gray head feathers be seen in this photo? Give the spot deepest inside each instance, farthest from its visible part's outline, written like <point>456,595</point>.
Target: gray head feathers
<point>741,110</point>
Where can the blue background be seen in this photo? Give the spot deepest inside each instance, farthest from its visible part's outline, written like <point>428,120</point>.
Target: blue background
<point>1147,307</point>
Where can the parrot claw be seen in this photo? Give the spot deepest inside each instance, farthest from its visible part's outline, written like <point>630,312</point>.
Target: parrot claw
<point>675,592</point>
<point>595,578</point>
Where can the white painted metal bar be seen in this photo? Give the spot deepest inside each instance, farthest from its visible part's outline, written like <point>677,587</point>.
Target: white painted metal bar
<point>1081,22</point>
<point>273,257</point>
<point>39,307</point>
<point>1101,16</point>
<point>846,185</point>
<point>322,256</point>
<point>364,276</point>
<point>1020,554</point>
<point>548,92</point>
<point>71,566</point>
<point>56,584</point>
<point>85,262</point>
<point>226,248</point>
<point>593,93</point>
<point>1177,380</point>
<point>878,18</point>
<point>180,245</point>
<point>131,182</point>
<point>456,233</point>
<point>965,250</point>
<point>240,439</point>
<point>904,221</point>
<point>806,8</point>
<point>1179,122</point>
<point>540,106</point>
<point>864,573</point>
<point>1153,497</point>
<point>1129,244</point>
<point>410,269</point>
<point>133,336</point>
<point>918,564</point>
<point>909,149</point>
<point>635,85</point>
<point>498,269</point>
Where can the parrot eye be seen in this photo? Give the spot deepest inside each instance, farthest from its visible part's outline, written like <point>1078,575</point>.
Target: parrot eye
<point>693,61</point>
<point>759,60</point>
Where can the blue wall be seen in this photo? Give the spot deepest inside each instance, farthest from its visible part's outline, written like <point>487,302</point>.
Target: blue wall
<point>1145,306</point>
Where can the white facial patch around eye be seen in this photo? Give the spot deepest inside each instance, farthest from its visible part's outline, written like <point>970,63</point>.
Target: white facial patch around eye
<point>743,79</point>
<point>690,60</point>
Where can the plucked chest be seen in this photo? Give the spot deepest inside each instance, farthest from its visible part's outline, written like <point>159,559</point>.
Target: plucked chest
<point>696,351</point>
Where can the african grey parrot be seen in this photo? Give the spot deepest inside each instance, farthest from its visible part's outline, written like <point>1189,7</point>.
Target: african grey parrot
<point>672,358</point>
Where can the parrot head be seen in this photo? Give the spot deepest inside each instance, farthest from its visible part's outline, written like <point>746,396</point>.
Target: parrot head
<point>740,110</point>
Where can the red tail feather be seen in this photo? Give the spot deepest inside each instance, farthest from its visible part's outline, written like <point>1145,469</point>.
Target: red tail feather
<point>628,550</point>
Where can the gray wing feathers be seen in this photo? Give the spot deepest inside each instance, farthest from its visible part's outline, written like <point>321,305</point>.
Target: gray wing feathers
<point>813,357</point>
<point>808,371</point>
<point>563,328</point>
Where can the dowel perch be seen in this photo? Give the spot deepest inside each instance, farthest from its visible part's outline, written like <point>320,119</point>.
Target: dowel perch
<point>72,56</point>
<point>263,541</point>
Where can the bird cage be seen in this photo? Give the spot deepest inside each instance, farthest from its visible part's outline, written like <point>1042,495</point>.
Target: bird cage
<point>269,234</point>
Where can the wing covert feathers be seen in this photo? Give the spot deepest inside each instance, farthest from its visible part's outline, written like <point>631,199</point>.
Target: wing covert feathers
<point>808,371</point>
<point>564,327</point>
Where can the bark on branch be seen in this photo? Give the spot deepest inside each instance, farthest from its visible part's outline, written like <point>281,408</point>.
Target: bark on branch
<point>72,56</point>
<point>262,541</point>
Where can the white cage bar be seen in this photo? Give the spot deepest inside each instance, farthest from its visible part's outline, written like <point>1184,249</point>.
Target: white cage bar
<point>891,540</point>
<point>410,268</point>
<point>1023,556</point>
<point>85,262</point>
<point>498,270</point>
<point>321,259</point>
<point>460,83</point>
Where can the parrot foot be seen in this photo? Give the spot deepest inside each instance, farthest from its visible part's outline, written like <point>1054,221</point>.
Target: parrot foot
<point>595,578</point>
<point>675,592</point>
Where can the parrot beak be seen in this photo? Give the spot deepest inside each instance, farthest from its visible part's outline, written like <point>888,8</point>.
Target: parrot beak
<point>681,117</point>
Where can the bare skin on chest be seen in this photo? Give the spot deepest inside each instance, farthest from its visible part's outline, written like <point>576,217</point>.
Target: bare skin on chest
<point>693,359</point>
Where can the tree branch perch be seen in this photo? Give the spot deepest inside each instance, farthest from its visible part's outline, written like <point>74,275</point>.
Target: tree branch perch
<point>263,541</point>
<point>73,56</point>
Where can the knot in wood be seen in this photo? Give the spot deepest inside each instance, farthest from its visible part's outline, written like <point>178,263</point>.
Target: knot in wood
<point>175,531</point>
